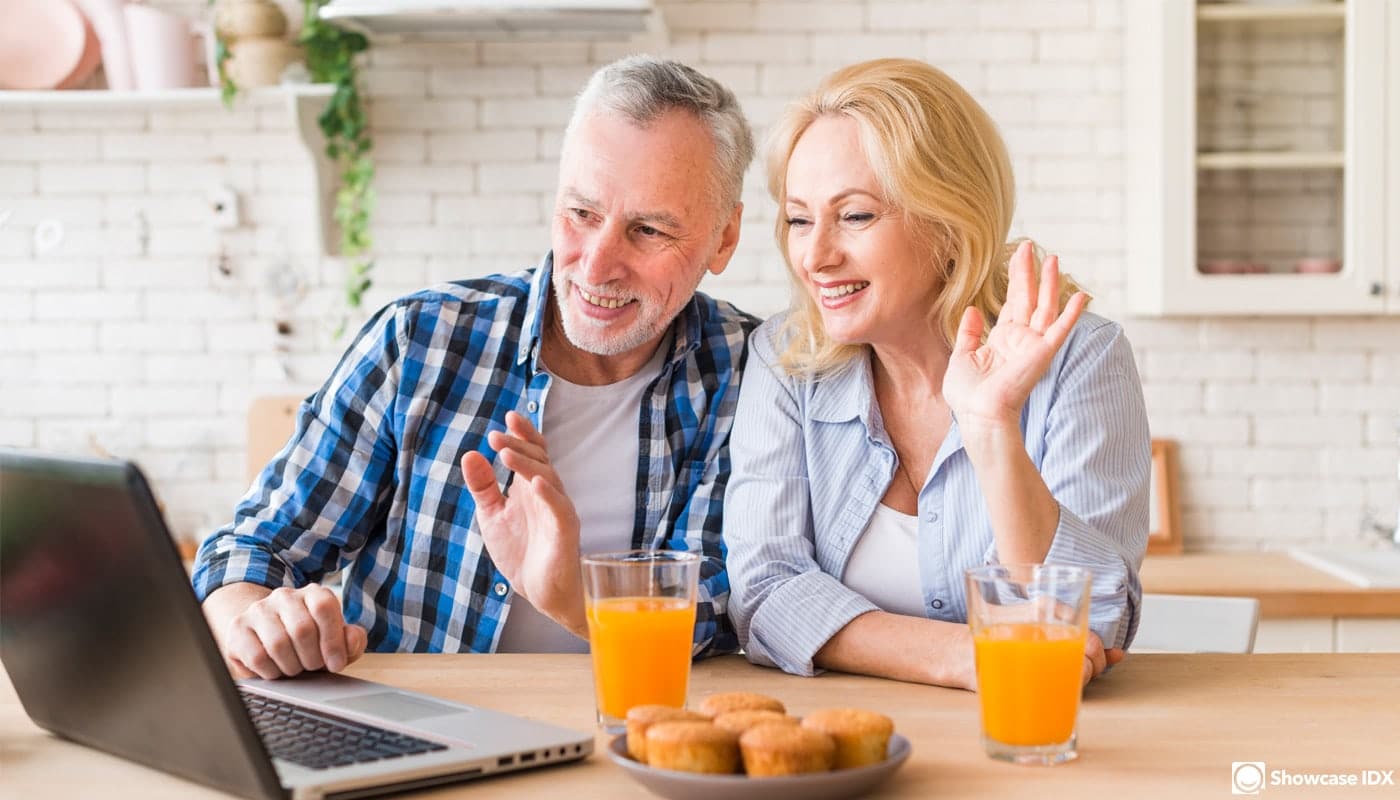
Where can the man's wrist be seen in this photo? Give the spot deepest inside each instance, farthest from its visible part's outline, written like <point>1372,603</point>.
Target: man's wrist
<point>570,616</point>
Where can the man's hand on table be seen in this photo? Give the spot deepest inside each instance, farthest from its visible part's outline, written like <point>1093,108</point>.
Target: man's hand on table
<point>275,633</point>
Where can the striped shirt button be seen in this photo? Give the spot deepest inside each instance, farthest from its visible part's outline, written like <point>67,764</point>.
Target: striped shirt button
<point>501,588</point>
<point>532,406</point>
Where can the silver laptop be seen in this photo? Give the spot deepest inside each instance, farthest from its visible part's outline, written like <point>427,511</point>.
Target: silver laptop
<point>106,645</point>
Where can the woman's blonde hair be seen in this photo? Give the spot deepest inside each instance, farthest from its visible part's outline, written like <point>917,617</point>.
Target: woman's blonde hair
<point>938,158</point>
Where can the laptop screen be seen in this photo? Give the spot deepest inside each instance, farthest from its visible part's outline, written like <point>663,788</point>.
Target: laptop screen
<point>100,631</point>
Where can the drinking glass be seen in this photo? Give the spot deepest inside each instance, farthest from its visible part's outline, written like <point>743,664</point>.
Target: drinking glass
<point>641,622</point>
<point>1029,624</point>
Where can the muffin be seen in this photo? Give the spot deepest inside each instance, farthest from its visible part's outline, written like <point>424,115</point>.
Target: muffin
<point>692,747</point>
<point>717,704</point>
<point>743,719</point>
<point>639,718</point>
<point>771,749</point>
<point>862,737</point>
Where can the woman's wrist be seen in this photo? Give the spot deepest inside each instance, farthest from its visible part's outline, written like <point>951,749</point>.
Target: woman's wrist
<point>953,664</point>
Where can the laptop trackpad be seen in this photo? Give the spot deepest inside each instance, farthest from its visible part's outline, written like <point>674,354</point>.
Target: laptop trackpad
<point>395,706</point>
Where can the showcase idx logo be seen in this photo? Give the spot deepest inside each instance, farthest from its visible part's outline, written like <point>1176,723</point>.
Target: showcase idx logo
<point>1250,777</point>
<point>1246,777</point>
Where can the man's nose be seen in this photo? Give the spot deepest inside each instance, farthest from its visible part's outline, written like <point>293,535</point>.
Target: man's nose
<point>604,254</point>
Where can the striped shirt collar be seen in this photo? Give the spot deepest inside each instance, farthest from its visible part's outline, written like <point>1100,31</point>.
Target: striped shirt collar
<point>848,393</point>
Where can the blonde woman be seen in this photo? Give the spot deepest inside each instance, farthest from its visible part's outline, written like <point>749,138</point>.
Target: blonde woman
<point>928,404</point>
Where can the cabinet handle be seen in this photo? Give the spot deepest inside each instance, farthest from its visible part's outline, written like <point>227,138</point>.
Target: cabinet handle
<point>1377,290</point>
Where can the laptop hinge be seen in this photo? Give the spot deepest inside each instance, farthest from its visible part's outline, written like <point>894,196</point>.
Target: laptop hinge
<point>403,786</point>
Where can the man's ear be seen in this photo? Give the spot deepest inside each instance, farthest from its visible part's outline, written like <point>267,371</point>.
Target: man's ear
<point>728,240</point>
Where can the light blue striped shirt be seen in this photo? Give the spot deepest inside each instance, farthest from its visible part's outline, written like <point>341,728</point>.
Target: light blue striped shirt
<point>811,460</point>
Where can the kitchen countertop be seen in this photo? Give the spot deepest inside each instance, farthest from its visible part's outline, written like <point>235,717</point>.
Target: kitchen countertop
<point>1283,586</point>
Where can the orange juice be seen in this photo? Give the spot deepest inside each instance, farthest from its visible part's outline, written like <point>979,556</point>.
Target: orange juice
<point>641,651</point>
<point>1029,675</point>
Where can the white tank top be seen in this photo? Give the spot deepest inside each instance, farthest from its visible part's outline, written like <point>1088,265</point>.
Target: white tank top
<point>884,566</point>
<point>591,432</point>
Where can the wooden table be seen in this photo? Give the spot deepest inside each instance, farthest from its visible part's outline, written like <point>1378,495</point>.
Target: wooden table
<point>1156,726</point>
<point>1283,586</point>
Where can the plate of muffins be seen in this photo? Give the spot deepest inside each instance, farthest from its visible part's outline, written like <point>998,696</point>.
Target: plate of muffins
<point>746,745</point>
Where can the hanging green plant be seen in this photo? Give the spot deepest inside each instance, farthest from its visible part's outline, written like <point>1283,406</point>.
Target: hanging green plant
<point>330,58</point>
<point>227,88</point>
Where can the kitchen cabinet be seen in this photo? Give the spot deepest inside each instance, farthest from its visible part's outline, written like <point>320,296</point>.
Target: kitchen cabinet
<point>1257,174</point>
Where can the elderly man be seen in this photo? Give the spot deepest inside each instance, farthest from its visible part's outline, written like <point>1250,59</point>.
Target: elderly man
<point>598,389</point>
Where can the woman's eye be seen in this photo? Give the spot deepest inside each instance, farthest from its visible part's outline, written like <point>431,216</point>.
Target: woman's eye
<point>859,219</point>
<point>796,222</point>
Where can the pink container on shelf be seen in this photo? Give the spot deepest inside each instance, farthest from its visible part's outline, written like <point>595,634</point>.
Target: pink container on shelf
<point>162,48</point>
<point>1223,266</point>
<point>109,19</point>
<point>1317,265</point>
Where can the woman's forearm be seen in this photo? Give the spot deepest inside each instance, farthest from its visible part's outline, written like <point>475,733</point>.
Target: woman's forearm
<point>903,648</point>
<point>1023,513</point>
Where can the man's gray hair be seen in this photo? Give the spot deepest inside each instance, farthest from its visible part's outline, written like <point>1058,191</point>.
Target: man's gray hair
<point>643,87</point>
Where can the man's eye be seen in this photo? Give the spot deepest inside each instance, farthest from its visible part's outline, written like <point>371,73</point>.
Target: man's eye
<point>580,213</point>
<point>648,231</point>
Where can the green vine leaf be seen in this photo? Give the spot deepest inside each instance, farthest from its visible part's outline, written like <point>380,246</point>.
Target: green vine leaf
<point>330,58</point>
<point>227,88</point>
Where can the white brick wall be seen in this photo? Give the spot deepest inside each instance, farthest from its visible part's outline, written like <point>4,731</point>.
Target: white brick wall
<point>129,338</point>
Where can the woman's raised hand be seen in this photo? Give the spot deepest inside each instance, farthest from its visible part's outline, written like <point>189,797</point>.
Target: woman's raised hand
<point>987,383</point>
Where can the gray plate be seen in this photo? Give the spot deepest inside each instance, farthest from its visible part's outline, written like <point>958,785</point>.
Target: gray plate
<point>817,786</point>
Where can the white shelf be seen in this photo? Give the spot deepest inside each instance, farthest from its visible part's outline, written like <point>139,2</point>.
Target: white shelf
<point>163,98</point>
<point>1274,160</point>
<point>1316,16</point>
<point>304,102</point>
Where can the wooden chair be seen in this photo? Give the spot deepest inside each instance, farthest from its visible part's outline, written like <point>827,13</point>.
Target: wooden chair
<point>271,420</point>
<point>1197,624</point>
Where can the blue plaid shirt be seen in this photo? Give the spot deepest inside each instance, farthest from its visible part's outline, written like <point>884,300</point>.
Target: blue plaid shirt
<point>369,482</point>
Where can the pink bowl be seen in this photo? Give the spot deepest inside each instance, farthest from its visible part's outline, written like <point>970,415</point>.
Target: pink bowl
<point>46,44</point>
<point>1223,266</point>
<point>1317,265</point>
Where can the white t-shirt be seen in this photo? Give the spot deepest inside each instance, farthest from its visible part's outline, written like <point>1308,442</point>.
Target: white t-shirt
<point>884,566</point>
<point>591,433</point>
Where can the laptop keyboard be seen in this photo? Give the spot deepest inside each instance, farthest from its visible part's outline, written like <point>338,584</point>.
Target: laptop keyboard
<point>318,740</point>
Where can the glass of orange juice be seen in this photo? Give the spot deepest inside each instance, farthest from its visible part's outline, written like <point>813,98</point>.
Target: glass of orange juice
<point>641,622</point>
<point>1029,623</point>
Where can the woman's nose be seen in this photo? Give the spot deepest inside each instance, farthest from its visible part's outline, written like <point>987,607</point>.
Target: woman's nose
<point>821,250</point>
